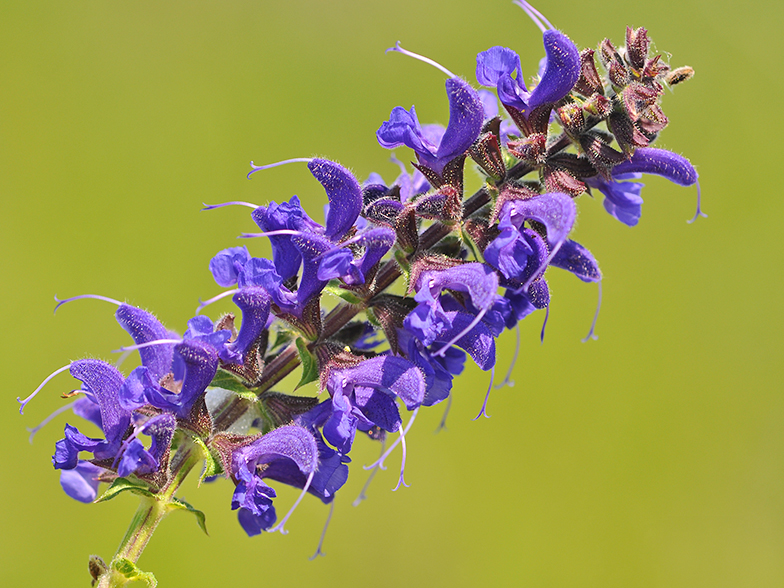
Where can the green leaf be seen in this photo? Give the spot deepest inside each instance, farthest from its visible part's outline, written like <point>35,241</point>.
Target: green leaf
<point>344,294</point>
<point>200,518</point>
<point>212,465</point>
<point>310,371</point>
<point>123,484</point>
<point>230,382</point>
<point>128,569</point>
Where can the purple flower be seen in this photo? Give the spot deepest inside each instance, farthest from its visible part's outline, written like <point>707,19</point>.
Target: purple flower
<point>497,66</point>
<point>621,198</point>
<point>466,115</point>
<point>290,443</point>
<point>428,321</point>
<point>364,395</point>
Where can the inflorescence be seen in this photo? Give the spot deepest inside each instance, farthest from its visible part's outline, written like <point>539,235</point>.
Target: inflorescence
<point>472,267</point>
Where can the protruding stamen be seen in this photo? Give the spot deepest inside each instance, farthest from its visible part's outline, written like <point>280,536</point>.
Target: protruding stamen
<point>536,16</point>
<point>699,212</point>
<point>487,397</point>
<point>544,324</point>
<point>49,377</point>
<point>442,424</point>
<point>94,296</point>
<point>362,494</point>
<point>277,163</point>
<point>48,419</point>
<point>271,234</point>
<point>232,203</point>
<point>206,303</point>
<point>379,463</point>
<point>440,352</point>
<point>122,358</point>
<point>279,526</point>
<point>402,480</point>
<point>397,48</point>
<point>507,381</point>
<point>147,344</point>
<point>591,334</point>
<point>323,533</point>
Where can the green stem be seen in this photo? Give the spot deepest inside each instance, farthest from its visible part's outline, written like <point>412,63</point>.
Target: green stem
<point>152,510</point>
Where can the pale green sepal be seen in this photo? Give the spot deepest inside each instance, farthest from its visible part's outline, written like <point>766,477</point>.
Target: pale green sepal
<point>228,381</point>
<point>212,466</point>
<point>121,485</point>
<point>200,518</point>
<point>310,372</point>
<point>129,570</point>
<point>343,294</point>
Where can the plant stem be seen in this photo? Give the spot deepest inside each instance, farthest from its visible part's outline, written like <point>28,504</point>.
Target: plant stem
<point>152,510</point>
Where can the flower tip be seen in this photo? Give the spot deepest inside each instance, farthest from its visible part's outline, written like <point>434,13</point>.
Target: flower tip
<point>699,212</point>
<point>396,48</point>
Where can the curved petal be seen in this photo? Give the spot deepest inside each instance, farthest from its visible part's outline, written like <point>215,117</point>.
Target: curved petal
<point>575,258</point>
<point>561,70</point>
<point>344,193</point>
<point>466,116</point>
<point>144,327</point>
<point>660,162</point>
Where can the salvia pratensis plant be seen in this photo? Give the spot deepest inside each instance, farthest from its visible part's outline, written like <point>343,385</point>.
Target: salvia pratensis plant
<point>472,267</point>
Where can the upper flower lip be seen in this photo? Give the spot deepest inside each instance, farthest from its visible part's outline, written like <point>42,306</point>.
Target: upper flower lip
<point>466,115</point>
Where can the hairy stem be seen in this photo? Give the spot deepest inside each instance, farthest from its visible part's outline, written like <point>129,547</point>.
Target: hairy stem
<point>152,510</point>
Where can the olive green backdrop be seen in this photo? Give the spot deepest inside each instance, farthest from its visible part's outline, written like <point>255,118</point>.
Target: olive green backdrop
<point>651,457</point>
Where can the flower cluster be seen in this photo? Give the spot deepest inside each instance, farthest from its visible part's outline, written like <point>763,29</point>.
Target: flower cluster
<point>472,267</point>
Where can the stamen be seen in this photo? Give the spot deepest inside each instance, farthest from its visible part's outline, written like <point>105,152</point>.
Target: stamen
<point>401,480</point>
<point>398,163</point>
<point>442,424</point>
<point>148,344</point>
<point>544,324</point>
<point>440,352</point>
<point>398,49</point>
<point>699,212</point>
<point>122,358</point>
<point>206,303</point>
<point>232,203</point>
<point>536,16</point>
<point>95,296</point>
<point>279,526</point>
<point>379,463</point>
<point>507,381</point>
<point>362,494</point>
<point>49,377</point>
<point>276,164</point>
<point>271,234</point>
<point>323,533</point>
<point>591,334</point>
<point>487,397</point>
<point>48,419</point>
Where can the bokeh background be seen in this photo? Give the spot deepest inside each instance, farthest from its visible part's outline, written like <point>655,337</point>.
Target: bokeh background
<point>651,457</point>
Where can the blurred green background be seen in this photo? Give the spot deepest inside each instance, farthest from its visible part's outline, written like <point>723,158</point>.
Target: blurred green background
<point>651,457</point>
